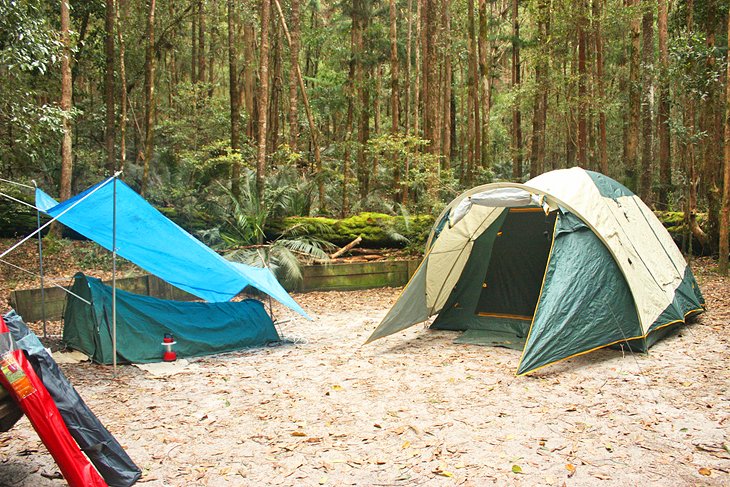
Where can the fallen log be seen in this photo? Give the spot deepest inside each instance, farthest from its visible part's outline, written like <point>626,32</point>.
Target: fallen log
<point>347,247</point>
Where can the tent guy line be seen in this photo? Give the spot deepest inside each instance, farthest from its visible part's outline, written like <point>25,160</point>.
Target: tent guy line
<point>39,229</point>
<point>52,281</point>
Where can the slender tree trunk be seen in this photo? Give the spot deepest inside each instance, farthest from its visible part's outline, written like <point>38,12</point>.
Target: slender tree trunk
<point>121,20</point>
<point>724,244</point>
<point>394,94</point>
<point>149,89</point>
<point>516,112</point>
<point>234,100</point>
<point>294,48</point>
<point>276,88</point>
<point>417,75</point>
<point>665,164</point>
<point>350,92</point>
<point>201,41</point>
<point>110,127</point>
<point>484,82</point>
<point>538,121</point>
<point>472,81</point>
<point>407,74</point>
<point>647,64</point>
<point>263,101</point>
<point>248,84</point>
<point>194,45</point>
<point>632,141</point>
<point>582,79</point>
<point>66,100</point>
<point>313,131</point>
<point>602,141</point>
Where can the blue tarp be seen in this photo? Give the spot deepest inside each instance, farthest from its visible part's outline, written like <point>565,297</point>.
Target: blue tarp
<point>151,241</point>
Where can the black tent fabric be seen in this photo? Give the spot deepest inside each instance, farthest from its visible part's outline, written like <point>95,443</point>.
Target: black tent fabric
<point>104,451</point>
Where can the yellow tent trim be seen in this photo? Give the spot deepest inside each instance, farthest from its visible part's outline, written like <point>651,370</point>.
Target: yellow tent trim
<point>539,298</point>
<point>696,310</point>
<point>508,316</point>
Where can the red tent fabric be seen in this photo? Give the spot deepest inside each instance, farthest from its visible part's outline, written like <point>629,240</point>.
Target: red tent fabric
<point>19,378</point>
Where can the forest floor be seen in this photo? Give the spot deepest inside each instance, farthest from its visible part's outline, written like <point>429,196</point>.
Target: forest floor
<point>413,409</point>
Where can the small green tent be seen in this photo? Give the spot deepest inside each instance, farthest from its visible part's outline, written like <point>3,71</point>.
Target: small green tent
<point>569,262</point>
<point>198,328</point>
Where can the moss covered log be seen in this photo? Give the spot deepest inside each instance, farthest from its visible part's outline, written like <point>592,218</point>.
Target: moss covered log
<point>378,230</point>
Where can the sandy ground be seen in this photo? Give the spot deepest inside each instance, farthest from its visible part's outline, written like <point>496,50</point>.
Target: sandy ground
<point>412,409</point>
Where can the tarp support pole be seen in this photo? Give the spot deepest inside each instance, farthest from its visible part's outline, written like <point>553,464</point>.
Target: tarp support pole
<point>114,276</point>
<point>40,267</point>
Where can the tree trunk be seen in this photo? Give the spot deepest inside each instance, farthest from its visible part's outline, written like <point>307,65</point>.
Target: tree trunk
<point>418,74</point>
<point>276,87</point>
<point>632,135</point>
<point>313,131</point>
<point>109,132</point>
<point>724,244</point>
<point>516,112</point>
<point>149,89</point>
<point>263,101</point>
<point>248,83</point>
<point>66,98</point>
<point>294,48</point>
<point>234,101</point>
<point>394,99</point>
<point>647,65</point>
<point>582,79</point>
<point>194,45</point>
<point>475,125</point>
<point>537,151</point>
<point>665,163</point>
<point>485,61</point>
<point>201,41</point>
<point>121,20</point>
<point>602,142</point>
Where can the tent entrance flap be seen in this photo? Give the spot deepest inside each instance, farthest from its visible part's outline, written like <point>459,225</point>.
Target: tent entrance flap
<point>511,286</point>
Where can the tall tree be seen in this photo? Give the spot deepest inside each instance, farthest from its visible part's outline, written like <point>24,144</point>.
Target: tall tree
<point>263,101</point>
<point>294,48</point>
<point>724,244</point>
<point>598,36</point>
<point>539,117</point>
<point>634,87</point>
<point>234,100</point>
<point>485,82</point>
<point>66,100</point>
<point>582,82</point>
<point>473,124</point>
<point>122,7</point>
<point>516,82</point>
<point>394,99</point>
<point>201,41</point>
<point>647,102</point>
<point>110,126</point>
<point>665,163</point>
<point>149,90</point>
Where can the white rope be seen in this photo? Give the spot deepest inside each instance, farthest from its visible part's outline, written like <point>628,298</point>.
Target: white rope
<point>55,283</point>
<point>59,215</point>
<point>18,201</point>
<point>16,183</point>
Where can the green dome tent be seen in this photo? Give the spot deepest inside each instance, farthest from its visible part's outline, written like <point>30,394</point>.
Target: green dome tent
<point>569,262</point>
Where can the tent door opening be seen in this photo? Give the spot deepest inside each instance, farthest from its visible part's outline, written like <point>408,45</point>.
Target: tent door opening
<point>495,300</point>
<point>511,286</point>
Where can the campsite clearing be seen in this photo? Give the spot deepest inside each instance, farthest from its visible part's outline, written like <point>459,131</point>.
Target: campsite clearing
<point>414,409</point>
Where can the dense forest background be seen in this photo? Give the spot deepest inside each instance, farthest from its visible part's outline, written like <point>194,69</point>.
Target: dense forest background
<point>242,111</point>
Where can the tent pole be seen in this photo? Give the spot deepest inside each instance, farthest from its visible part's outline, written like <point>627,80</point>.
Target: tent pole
<point>114,276</point>
<point>40,265</point>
